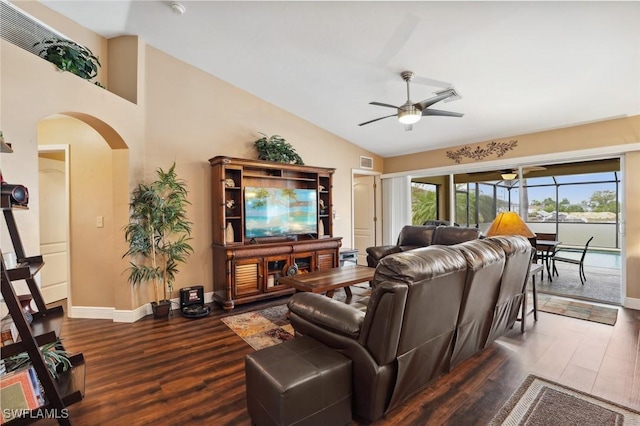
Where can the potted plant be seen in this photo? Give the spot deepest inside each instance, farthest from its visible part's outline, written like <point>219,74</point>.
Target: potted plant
<point>158,235</point>
<point>55,357</point>
<point>70,56</point>
<point>276,148</point>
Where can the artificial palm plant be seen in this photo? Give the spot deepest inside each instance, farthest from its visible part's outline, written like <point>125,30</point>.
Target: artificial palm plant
<point>158,234</point>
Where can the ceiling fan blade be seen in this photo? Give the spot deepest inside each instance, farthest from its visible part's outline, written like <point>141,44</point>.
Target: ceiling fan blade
<point>431,82</point>
<point>408,127</point>
<point>533,169</point>
<point>371,121</point>
<point>383,104</point>
<point>441,113</point>
<point>398,39</point>
<point>428,102</point>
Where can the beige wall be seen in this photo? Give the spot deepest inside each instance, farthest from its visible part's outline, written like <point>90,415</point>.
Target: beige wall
<point>631,210</point>
<point>180,114</point>
<point>91,195</point>
<point>607,133</point>
<point>594,135</point>
<point>193,117</point>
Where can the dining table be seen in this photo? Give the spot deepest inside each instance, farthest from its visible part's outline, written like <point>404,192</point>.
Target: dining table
<point>547,248</point>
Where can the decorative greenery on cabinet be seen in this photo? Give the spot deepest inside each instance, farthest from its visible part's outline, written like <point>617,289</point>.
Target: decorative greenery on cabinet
<point>276,148</point>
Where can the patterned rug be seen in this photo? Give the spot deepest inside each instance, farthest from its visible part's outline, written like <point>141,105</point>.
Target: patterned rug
<point>575,309</point>
<point>539,402</point>
<point>270,326</point>
<point>263,328</point>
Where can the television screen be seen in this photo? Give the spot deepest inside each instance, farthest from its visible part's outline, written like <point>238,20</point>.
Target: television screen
<point>278,211</point>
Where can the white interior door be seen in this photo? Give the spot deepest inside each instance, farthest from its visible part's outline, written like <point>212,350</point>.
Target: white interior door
<point>364,213</point>
<point>54,245</point>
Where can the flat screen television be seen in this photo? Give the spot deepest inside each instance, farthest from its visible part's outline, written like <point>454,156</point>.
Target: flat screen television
<point>273,212</point>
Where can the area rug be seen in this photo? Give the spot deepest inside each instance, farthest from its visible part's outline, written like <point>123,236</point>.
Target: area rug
<point>575,309</point>
<point>263,328</point>
<point>539,402</point>
<point>270,326</point>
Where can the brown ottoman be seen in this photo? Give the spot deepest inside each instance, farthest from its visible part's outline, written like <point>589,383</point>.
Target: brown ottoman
<point>301,382</point>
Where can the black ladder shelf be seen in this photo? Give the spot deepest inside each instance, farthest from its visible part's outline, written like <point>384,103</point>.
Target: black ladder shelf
<point>45,328</point>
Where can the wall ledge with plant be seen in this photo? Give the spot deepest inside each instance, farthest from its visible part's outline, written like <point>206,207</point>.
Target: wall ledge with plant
<point>70,56</point>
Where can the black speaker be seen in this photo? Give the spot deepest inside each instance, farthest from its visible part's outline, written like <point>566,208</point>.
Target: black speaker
<point>192,302</point>
<point>17,194</point>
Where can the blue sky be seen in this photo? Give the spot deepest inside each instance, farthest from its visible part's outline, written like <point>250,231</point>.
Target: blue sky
<point>574,193</point>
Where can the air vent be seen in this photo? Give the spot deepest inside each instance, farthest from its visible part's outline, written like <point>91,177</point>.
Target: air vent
<point>22,29</point>
<point>366,162</point>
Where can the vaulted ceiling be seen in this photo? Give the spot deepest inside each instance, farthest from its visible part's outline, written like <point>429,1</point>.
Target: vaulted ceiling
<point>520,67</point>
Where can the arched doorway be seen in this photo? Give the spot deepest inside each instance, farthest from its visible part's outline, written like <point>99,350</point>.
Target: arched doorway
<point>97,204</point>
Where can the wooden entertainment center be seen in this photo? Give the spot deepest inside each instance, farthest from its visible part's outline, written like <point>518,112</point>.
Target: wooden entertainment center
<point>247,269</point>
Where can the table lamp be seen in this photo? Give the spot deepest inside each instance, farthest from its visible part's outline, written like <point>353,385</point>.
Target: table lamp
<point>509,223</point>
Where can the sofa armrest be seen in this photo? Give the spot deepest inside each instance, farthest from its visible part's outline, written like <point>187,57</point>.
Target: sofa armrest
<point>327,313</point>
<point>378,252</point>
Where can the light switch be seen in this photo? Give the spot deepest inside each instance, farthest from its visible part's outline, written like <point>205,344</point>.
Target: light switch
<point>99,221</point>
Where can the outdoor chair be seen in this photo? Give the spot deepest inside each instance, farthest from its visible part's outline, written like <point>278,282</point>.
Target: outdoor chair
<point>555,258</point>
<point>544,254</point>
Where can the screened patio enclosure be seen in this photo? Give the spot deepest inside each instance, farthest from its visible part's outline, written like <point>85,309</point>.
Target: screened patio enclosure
<point>574,201</point>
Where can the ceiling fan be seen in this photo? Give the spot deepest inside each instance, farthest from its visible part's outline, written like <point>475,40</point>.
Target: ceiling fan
<point>410,113</point>
<point>511,174</point>
<point>505,174</point>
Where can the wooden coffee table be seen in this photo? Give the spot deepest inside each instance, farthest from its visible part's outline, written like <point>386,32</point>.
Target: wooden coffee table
<point>329,280</point>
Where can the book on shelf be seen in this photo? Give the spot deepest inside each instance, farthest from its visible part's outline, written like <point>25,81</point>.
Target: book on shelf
<point>19,392</point>
<point>8,331</point>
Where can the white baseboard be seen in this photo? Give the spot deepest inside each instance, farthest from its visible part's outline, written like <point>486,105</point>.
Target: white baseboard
<point>122,315</point>
<point>91,312</point>
<point>632,303</point>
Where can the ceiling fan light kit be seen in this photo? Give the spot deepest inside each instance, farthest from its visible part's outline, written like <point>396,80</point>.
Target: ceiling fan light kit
<point>509,176</point>
<point>410,113</point>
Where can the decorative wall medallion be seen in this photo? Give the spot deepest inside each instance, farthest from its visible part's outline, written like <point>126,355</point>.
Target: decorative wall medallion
<point>479,153</point>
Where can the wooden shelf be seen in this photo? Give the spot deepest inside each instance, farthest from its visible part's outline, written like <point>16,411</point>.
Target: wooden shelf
<point>26,269</point>
<point>5,203</point>
<point>70,385</point>
<point>243,271</point>
<point>299,179</point>
<point>49,321</point>
<point>44,328</point>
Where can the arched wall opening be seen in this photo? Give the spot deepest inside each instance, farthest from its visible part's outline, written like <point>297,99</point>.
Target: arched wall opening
<point>98,164</point>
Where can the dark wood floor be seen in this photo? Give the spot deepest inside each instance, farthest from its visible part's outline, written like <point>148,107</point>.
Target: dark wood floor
<point>191,371</point>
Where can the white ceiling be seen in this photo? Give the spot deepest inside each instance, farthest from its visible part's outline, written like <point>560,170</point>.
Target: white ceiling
<point>520,67</point>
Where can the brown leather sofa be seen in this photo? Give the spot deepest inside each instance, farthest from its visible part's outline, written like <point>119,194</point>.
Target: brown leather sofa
<point>430,309</point>
<point>413,236</point>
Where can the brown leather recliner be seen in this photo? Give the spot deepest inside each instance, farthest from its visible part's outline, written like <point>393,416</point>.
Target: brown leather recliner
<point>430,308</point>
<point>485,263</point>
<point>405,338</point>
<point>513,288</point>
<point>414,236</point>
